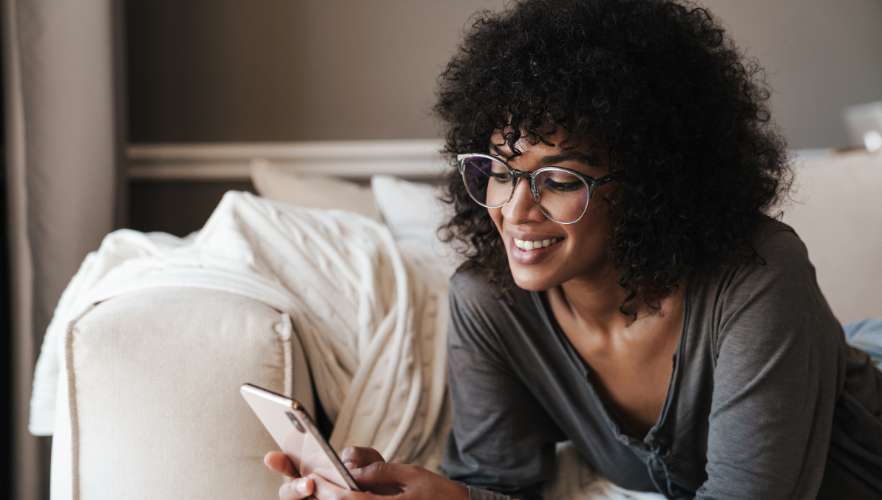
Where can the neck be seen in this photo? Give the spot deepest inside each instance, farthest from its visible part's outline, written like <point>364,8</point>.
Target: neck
<point>594,301</point>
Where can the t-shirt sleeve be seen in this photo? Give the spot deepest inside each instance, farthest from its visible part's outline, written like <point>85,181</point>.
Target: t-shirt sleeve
<point>775,379</point>
<point>501,439</point>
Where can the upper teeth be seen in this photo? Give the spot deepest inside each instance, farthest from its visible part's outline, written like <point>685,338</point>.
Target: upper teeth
<point>530,245</point>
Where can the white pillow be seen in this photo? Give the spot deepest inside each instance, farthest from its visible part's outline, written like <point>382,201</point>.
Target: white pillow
<point>413,212</point>
<point>280,184</point>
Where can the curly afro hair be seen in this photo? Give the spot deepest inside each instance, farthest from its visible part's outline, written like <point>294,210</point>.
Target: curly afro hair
<point>681,115</point>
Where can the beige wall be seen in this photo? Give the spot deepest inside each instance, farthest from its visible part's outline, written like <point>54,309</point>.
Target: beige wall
<point>292,70</point>
<point>820,56</point>
<point>288,70</point>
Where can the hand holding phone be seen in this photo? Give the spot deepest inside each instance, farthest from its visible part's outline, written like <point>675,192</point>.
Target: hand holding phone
<point>354,458</point>
<point>305,452</point>
<point>297,436</point>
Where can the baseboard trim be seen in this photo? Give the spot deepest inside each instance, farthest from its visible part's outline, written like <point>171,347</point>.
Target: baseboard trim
<point>209,162</point>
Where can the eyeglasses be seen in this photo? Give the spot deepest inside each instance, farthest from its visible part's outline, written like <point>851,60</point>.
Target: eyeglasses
<point>562,194</point>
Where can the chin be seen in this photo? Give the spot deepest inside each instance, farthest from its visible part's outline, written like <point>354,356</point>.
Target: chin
<point>531,280</point>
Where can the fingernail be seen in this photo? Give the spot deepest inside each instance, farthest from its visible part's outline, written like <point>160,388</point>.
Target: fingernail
<point>349,464</point>
<point>303,486</point>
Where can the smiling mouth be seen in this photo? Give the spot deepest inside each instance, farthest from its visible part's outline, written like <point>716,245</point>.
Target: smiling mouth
<point>531,245</point>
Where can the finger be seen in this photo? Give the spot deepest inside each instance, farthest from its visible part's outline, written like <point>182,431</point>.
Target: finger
<point>297,488</point>
<point>277,461</point>
<point>326,490</point>
<point>354,457</point>
<point>382,477</point>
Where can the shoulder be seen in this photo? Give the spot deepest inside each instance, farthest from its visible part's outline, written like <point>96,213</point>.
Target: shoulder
<point>775,295</point>
<point>780,262</point>
<point>778,245</point>
<point>772,270</point>
<point>472,284</point>
<point>469,280</point>
<point>480,313</point>
<point>473,307</point>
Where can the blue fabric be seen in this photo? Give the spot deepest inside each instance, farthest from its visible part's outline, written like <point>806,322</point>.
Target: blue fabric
<point>866,335</point>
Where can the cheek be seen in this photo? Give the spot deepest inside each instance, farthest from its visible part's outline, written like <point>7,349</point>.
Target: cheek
<point>591,233</point>
<point>496,217</point>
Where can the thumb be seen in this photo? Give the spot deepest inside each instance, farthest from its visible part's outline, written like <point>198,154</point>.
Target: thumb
<point>382,477</point>
<point>356,456</point>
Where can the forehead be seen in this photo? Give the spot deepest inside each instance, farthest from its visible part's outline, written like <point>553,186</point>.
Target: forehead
<point>530,149</point>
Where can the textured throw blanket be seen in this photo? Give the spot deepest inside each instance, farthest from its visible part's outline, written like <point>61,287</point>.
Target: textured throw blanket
<point>371,315</point>
<point>373,326</point>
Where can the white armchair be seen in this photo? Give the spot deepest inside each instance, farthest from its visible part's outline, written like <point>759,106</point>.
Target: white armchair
<point>151,406</point>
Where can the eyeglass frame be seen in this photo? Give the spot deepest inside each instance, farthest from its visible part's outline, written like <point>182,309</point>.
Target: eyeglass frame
<point>591,182</point>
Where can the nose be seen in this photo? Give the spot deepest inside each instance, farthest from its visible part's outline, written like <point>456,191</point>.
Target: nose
<point>522,207</point>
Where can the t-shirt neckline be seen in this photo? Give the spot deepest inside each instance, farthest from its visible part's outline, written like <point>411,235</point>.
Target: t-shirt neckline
<point>650,440</point>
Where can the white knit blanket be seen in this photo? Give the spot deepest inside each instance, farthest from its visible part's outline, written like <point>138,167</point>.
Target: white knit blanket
<point>370,314</point>
<point>368,321</point>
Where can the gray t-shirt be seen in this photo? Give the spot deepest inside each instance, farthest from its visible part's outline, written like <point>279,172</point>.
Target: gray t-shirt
<point>766,399</point>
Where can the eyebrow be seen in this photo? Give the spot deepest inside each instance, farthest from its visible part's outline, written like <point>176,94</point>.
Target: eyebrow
<point>580,156</point>
<point>585,158</point>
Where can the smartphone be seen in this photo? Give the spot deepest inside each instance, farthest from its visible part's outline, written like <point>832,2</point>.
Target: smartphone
<point>297,436</point>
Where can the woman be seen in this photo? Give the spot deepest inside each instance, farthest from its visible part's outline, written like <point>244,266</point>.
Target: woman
<point>625,289</point>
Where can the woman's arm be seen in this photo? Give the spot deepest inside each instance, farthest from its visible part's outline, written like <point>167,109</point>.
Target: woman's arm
<point>502,439</point>
<point>775,382</point>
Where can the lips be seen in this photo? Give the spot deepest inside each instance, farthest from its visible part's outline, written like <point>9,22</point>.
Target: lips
<point>535,244</point>
<point>530,250</point>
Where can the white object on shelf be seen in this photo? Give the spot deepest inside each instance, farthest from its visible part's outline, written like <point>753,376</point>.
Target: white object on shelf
<point>864,123</point>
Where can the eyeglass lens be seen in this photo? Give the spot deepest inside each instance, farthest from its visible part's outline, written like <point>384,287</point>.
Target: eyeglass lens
<point>562,196</point>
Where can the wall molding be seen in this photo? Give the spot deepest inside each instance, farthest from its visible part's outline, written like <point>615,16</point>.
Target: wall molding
<point>358,160</point>
<point>209,162</point>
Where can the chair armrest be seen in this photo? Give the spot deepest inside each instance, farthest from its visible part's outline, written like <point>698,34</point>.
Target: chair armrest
<point>150,407</point>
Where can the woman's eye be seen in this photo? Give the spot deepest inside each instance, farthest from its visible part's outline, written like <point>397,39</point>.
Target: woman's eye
<point>562,186</point>
<point>500,177</point>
